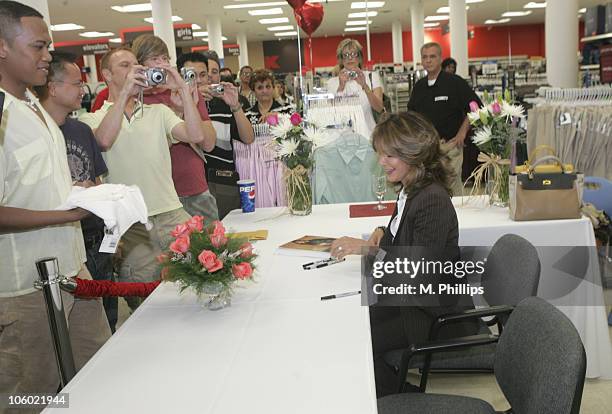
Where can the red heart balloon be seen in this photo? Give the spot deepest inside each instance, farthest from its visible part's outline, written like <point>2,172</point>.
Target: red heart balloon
<point>296,4</point>
<point>309,17</point>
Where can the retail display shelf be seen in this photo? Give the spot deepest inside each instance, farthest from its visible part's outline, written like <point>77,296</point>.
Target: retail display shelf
<point>596,37</point>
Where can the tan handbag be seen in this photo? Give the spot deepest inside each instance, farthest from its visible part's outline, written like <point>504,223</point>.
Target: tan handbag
<point>545,195</point>
<point>546,168</point>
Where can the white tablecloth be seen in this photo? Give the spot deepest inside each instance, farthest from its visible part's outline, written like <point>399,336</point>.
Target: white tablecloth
<point>278,348</point>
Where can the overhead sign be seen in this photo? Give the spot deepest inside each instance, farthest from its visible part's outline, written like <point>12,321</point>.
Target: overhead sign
<point>182,32</point>
<point>228,50</point>
<point>83,49</point>
<point>489,68</point>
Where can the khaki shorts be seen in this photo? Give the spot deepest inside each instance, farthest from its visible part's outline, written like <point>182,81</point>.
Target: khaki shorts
<point>27,359</point>
<point>456,155</point>
<point>140,247</point>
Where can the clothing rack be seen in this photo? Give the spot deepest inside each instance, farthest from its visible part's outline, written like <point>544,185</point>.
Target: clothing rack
<point>563,95</point>
<point>257,161</point>
<point>577,123</point>
<point>327,109</point>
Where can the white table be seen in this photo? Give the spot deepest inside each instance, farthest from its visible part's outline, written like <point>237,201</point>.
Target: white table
<point>278,348</point>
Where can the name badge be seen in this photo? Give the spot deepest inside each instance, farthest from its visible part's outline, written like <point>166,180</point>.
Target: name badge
<point>440,98</point>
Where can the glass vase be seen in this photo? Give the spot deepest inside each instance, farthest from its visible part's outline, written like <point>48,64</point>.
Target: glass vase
<point>215,296</point>
<point>498,185</point>
<point>299,191</point>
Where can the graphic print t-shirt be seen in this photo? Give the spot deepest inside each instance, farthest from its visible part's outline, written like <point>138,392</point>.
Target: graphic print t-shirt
<point>85,162</point>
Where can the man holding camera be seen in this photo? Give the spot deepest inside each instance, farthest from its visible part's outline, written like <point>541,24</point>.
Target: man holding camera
<point>135,139</point>
<point>230,122</point>
<point>188,162</point>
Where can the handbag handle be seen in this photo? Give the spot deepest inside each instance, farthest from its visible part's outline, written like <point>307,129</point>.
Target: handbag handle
<point>547,158</point>
<point>539,148</point>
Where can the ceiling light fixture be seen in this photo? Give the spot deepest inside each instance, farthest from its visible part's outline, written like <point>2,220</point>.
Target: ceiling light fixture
<point>370,4</point>
<point>274,20</point>
<point>280,34</point>
<point>493,21</point>
<point>583,10</point>
<point>358,22</point>
<point>133,8</point>
<point>266,12</point>
<point>535,5</point>
<point>437,18</point>
<point>174,19</point>
<point>446,9</point>
<point>431,24</point>
<point>65,27</point>
<point>96,34</point>
<point>516,13</point>
<point>355,29</point>
<point>200,34</point>
<point>223,38</point>
<point>116,40</point>
<point>361,15</point>
<point>280,28</point>
<point>196,27</point>
<point>255,5</point>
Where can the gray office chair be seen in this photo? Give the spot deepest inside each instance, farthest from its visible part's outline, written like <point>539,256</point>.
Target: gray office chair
<point>512,273</point>
<point>540,366</point>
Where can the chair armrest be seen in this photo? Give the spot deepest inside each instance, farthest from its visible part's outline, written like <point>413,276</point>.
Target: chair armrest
<point>432,347</point>
<point>467,315</point>
<point>452,344</point>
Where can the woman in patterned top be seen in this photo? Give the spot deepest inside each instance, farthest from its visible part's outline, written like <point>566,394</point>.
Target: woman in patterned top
<point>262,83</point>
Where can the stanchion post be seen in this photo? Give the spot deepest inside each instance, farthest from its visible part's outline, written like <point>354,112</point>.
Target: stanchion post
<point>48,272</point>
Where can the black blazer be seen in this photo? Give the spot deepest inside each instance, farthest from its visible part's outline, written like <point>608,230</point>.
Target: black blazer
<point>428,220</point>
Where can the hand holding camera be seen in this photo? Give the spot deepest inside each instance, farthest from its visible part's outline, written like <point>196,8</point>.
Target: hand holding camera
<point>353,74</point>
<point>135,81</point>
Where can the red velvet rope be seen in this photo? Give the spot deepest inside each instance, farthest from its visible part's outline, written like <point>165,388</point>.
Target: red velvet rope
<point>99,288</point>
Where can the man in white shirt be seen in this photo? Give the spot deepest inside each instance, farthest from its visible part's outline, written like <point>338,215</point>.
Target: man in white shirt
<point>35,179</point>
<point>136,141</point>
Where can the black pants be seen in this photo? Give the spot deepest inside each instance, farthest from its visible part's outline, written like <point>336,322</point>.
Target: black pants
<point>100,265</point>
<point>399,327</point>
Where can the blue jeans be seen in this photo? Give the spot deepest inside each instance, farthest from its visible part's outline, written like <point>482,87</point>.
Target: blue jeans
<point>100,265</point>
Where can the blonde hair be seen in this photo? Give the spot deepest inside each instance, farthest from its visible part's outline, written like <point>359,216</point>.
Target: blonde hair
<point>347,44</point>
<point>147,46</point>
<point>410,137</point>
<point>105,61</point>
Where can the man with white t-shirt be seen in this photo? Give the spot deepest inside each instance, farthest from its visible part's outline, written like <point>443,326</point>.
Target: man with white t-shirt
<point>136,142</point>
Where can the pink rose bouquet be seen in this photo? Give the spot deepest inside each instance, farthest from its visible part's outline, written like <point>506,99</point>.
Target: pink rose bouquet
<point>202,255</point>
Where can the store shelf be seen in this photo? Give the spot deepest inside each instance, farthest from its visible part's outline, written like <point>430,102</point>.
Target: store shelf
<point>597,37</point>
<point>589,67</point>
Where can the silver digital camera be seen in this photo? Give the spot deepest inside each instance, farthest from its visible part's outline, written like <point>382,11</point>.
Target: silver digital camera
<point>217,89</point>
<point>188,74</point>
<point>156,76</point>
<point>352,74</point>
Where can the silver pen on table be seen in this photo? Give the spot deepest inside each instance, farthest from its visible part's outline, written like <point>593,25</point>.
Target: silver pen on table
<point>341,295</point>
<point>322,263</point>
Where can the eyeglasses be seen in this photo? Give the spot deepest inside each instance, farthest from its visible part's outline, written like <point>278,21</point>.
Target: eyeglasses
<point>351,55</point>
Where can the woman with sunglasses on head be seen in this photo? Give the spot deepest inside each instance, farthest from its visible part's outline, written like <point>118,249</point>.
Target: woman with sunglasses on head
<point>352,80</point>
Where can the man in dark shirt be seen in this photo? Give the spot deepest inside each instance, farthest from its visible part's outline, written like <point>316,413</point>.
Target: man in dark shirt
<point>60,96</point>
<point>444,99</point>
<point>230,123</point>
